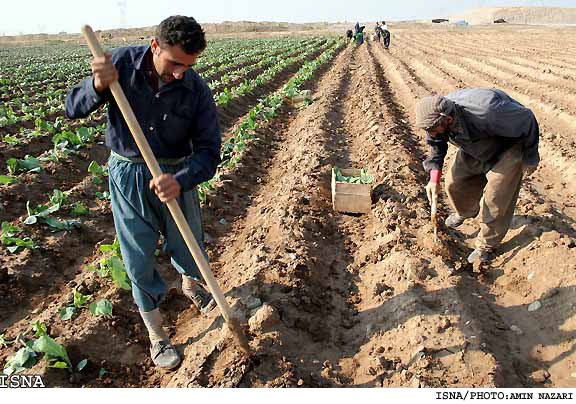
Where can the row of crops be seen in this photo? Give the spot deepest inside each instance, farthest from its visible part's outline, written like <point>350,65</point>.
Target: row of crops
<point>53,181</point>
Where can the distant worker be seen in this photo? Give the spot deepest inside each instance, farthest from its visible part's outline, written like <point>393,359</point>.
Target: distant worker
<point>385,32</point>
<point>359,33</point>
<point>360,38</point>
<point>349,35</point>
<point>378,31</point>
<point>497,138</point>
<point>176,110</point>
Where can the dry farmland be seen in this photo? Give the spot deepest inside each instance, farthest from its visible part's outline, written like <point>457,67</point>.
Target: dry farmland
<point>328,299</point>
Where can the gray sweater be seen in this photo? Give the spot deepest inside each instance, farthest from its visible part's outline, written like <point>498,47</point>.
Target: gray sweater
<point>487,123</point>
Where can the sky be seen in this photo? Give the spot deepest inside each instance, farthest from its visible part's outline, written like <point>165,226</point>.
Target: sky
<point>45,16</point>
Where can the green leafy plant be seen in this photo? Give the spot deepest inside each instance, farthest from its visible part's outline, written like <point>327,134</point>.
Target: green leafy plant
<point>363,178</point>
<point>112,265</point>
<point>12,140</point>
<point>55,353</point>
<point>79,302</point>
<point>28,163</point>
<point>59,225</point>
<point>59,198</point>
<point>74,140</point>
<point>39,329</point>
<point>7,180</point>
<point>103,195</point>
<point>4,342</point>
<point>24,359</point>
<point>97,172</point>
<point>78,209</point>
<point>42,212</point>
<point>13,243</point>
<point>118,272</point>
<point>80,299</point>
<point>66,313</point>
<point>101,308</point>
<point>81,365</point>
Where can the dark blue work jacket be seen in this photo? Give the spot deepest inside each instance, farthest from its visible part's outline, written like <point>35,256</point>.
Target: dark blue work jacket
<point>179,120</point>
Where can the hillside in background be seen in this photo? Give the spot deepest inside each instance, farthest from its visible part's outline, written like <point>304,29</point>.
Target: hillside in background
<point>520,15</point>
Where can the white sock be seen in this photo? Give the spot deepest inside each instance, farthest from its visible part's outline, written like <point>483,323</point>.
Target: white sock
<point>153,322</point>
<point>188,286</point>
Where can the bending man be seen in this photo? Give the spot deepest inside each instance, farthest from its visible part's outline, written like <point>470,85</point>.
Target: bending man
<point>497,138</point>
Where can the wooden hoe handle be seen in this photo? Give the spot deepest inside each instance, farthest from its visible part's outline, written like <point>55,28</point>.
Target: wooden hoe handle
<point>433,214</point>
<point>173,206</point>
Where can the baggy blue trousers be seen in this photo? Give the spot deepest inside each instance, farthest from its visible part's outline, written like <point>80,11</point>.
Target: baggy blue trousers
<point>140,218</point>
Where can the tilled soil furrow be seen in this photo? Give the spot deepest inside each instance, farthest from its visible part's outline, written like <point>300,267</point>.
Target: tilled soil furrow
<point>487,47</point>
<point>475,304</point>
<point>556,166</point>
<point>503,315</point>
<point>558,98</point>
<point>329,299</point>
<point>124,338</point>
<point>267,260</point>
<point>551,175</point>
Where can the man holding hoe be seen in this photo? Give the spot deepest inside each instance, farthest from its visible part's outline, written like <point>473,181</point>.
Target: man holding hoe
<point>497,138</point>
<point>176,110</point>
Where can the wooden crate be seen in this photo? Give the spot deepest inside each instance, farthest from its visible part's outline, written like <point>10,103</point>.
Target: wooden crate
<point>351,198</point>
<point>300,99</point>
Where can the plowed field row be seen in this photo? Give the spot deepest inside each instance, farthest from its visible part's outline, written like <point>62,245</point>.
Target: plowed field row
<point>557,143</point>
<point>542,208</point>
<point>331,299</point>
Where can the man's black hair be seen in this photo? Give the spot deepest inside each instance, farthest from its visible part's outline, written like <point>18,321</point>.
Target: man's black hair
<point>182,31</point>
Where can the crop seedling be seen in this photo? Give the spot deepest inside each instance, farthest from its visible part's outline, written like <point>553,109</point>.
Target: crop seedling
<point>61,225</point>
<point>4,342</point>
<point>112,265</point>
<point>24,359</point>
<point>55,154</point>
<point>13,243</point>
<point>80,300</point>
<point>29,164</point>
<point>12,140</point>
<point>104,195</point>
<point>41,211</point>
<point>101,308</point>
<point>39,329</point>
<point>97,172</point>
<point>78,209</point>
<point>57,199</point>
<point>81,365</point>
<point>363,178</point>
<point>74,140</point>
<point>7,180</point>
<point>54,353</point>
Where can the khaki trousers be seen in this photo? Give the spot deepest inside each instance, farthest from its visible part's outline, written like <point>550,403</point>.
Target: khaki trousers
<point>474,188</point>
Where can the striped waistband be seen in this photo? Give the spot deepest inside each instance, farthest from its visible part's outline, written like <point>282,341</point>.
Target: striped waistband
<point>140,160</point>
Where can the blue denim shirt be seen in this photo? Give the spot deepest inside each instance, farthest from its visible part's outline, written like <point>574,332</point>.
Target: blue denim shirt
<point>180,120</point>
